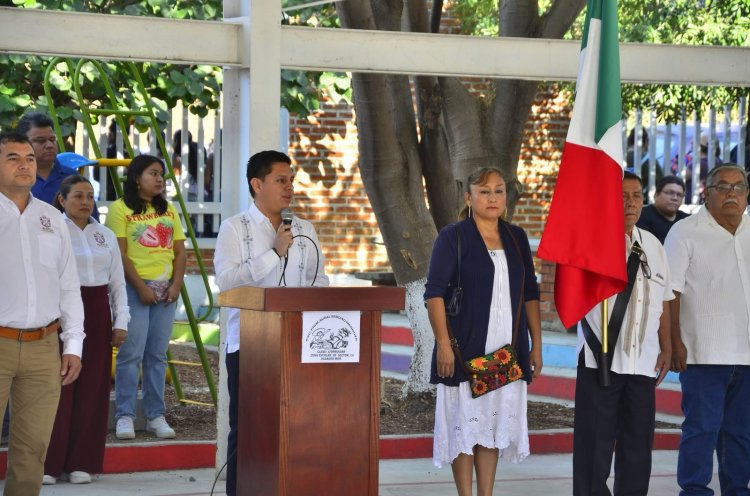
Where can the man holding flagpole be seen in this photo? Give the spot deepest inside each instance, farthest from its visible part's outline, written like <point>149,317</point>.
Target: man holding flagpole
<point>584,236</point>
<point>622,413</point>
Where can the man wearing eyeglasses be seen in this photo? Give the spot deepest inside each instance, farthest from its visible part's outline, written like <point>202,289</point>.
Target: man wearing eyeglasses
<point>659,218</point>
<point>710,265</point>
<point>620,417</point>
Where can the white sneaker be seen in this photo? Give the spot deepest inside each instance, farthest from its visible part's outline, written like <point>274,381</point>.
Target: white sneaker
<point>78,477</point>
<point>124,429</point>
<point>160,428</point>
<point>48,480</point>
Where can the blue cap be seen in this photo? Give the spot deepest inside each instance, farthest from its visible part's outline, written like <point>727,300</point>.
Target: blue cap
<point>73,160</point>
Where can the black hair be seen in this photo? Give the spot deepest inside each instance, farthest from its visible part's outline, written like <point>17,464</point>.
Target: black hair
<point>13,137</point>
<point>261,164</point>
<point>65,186</point>
<point>667,180</point>
<point>629,175</point>
<point>644,137</point>
<point>130,188</point>
<point>35,119</point>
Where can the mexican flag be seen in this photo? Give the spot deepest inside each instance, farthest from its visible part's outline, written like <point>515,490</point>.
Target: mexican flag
<point>585,230</point>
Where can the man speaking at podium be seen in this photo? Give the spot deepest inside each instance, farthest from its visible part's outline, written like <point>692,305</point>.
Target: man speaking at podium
<point>265,246</point>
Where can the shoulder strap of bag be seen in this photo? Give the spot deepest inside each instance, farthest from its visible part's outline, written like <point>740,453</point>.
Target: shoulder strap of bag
<point>517,320</point>
<point>458,254</point>
<point>618,311</point>
<point>453,340</point>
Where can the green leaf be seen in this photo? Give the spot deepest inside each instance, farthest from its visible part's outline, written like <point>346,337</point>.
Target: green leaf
<point>177,77</point>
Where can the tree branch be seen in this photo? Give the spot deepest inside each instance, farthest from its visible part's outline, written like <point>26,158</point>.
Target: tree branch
<point>559,17</point>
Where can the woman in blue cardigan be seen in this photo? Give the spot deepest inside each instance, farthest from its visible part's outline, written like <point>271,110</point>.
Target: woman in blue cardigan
<point>497,277</point>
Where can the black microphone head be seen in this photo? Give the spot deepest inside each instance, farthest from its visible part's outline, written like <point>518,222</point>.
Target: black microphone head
<point>286,216</point>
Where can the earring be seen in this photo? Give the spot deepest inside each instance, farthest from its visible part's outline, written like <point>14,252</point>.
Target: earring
<point>469,210</point>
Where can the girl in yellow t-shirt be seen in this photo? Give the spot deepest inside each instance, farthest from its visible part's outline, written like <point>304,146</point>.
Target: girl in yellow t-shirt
<point>151,240</point>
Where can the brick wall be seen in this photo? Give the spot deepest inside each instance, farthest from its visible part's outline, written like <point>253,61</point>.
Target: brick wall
<point>323,146</point>
<point>330,193</point>
<point>207,256</point>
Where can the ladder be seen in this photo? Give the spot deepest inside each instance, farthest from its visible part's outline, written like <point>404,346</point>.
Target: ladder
<point>121,114</point>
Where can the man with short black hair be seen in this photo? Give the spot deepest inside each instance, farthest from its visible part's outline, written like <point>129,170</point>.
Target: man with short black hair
<point>40,294</point>
<point>39,129</point>
<point>620,417</point>
<point>255,248</point>
<point>659,218</point>
<point>709,258</point>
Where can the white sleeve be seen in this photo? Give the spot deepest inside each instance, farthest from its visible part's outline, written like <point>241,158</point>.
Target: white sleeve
<point>231,270</point>
<point>118,295</point>
<point>71,305</point>
<point>678,257</point>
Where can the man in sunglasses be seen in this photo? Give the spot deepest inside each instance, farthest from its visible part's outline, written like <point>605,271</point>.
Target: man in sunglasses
<point>709,260</point>
<point>659,218</point>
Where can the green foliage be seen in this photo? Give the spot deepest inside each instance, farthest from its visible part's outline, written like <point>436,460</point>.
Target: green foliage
<point>478,17</point>
<point>198,87</point>
<point>683,22</point>
<point>680,22</point>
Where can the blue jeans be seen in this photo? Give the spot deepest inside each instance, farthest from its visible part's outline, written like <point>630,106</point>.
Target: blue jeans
<point>716,404</point>
<point>149,331</point>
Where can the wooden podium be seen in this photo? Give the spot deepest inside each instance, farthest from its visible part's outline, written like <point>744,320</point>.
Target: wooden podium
<point>307,428</point>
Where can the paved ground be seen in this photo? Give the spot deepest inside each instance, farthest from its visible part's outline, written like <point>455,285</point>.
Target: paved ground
<point>541,475</point>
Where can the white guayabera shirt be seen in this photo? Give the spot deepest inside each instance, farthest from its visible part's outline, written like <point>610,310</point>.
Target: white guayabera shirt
<point>244,257</point>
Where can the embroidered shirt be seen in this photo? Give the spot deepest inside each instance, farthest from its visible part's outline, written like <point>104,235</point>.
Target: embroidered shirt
<point>99,262</point>
<point>40,280</point>
<point>637,346</point>
<point>244,257</point>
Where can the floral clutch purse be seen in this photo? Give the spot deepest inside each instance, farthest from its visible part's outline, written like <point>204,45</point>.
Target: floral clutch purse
<point>493,371</point>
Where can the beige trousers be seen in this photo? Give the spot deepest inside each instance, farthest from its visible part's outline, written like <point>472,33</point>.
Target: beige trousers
<point>30,374</point>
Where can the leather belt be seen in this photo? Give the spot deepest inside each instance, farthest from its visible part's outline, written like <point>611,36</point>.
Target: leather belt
<point>25,335</point>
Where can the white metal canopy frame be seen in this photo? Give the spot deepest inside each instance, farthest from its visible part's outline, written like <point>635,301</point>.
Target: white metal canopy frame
<point>251,36</point>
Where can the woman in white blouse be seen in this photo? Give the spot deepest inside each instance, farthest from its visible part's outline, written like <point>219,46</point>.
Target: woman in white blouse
<point>76,449</point>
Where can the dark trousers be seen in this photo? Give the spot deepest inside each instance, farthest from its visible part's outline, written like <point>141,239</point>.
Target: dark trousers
<point>233,384</point>
<point>617,419</point>
<point>80,431</point>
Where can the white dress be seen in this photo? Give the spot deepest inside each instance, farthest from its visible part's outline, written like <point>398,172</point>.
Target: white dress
<point>497,419</point>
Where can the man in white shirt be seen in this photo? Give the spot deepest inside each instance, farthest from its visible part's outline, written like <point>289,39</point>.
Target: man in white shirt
<point>255,248</point>
<point>39,295</point>
<point>710,265</point>
<point>621,416</point>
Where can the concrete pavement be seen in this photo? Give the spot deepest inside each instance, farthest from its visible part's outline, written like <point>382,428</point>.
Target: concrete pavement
<point>539,475</point>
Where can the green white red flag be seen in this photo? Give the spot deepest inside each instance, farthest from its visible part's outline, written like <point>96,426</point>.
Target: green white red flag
<point>585,230</point>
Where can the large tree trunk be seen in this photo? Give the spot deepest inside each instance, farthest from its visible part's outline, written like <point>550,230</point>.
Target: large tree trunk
<point>407,158</point>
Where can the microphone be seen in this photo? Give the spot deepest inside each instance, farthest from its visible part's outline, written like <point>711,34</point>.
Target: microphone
<point>286,217</point>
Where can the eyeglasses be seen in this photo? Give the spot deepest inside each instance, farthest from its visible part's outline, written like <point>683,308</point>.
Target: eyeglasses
<point>643,259</point>
<point>725,188</point>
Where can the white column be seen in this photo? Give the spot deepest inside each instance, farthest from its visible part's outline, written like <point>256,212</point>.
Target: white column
<point>251,95</point>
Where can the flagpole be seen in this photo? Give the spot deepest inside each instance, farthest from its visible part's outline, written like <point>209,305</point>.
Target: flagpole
<point>604,379</point>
